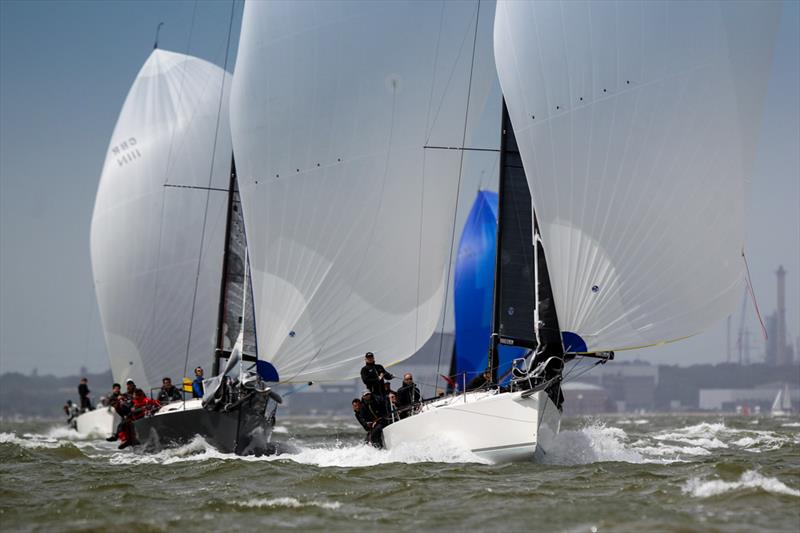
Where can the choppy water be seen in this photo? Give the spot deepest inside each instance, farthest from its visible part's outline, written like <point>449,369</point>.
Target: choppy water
<point>665,473</point>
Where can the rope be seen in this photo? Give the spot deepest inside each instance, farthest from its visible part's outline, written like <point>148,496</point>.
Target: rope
<point>587,369</point>
<point>752,293</point>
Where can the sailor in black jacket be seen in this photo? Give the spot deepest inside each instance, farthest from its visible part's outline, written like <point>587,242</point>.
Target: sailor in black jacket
<point>374,375</point>
<point>407,396</point>
<point>481,381</point>
<point>357,412</point>
<point>374,415</point>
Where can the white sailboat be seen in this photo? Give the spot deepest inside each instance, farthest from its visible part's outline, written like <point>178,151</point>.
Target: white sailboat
<point>168,255</point>
<point>782,405</point>
<point>630,129</point>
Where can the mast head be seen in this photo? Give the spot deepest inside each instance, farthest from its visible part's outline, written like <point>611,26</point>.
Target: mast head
<point>158,29</point>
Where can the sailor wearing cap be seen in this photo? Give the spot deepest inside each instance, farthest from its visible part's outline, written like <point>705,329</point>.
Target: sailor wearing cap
<point>373,375</point>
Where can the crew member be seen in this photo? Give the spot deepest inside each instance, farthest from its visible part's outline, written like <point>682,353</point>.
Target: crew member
<point>169,392</point>
<point>142,405</point>
<point>392,414</point>
<point>123,404</point>
<point>83,392</point>
<point>72,412</point>
<point>357,412</point>
<point>373,414</point>
<point>482,381</point>
<point>197,384</point>
<point>130,387</point>
<point>373,375</point>
<point>116,392</point>
<point>408,395</point>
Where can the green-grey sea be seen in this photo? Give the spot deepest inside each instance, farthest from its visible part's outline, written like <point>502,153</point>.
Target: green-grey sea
<point>635,473</point>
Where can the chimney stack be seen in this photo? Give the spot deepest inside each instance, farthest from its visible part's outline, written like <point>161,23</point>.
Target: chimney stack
<point>782,354</point>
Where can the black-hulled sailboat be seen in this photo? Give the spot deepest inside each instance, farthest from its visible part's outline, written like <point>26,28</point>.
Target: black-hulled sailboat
<point>167,228</point>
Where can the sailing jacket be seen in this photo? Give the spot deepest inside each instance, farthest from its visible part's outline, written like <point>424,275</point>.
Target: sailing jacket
<point>407,395</point>
<point>169,395</point>
<point>142,407</point>
<point>371,412</point>
<point>370,375</point>
<point>197,387</point>
<point>361,420</point>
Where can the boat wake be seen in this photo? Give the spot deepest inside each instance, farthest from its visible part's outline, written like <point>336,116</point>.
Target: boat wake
<point>594,442</point>
<point>439,450</point>
<point>338,454</point>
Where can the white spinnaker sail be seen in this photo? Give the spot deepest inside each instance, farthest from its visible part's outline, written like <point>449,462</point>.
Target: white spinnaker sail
<point>145,237</point>
<point>348,215</point>
<point>637,126</point>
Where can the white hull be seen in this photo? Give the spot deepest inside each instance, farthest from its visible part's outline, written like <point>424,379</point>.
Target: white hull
<point>500,427</point>
<point>102,421</point>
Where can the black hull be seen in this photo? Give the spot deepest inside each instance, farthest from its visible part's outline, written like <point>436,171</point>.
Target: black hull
<point>243,431</point>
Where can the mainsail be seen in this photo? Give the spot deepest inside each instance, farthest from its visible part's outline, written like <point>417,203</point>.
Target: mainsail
<point>237,290</point>
<point>158,230</point>
<point>349,215</point>
<point>636,124</point>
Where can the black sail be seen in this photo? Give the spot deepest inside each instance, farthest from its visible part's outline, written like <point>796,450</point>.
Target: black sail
<point>231,315</point>
<point>515,294</point>
<point>514,268</point>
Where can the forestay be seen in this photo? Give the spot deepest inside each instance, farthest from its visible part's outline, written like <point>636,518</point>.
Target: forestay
<point>348,215</point>
<point>146,237</point>
<point>637,123</point>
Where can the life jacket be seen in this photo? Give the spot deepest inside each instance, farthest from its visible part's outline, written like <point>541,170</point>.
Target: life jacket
<point>142,407</point>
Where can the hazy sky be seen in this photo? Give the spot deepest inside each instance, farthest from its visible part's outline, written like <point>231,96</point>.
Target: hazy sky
<point>65,69</point>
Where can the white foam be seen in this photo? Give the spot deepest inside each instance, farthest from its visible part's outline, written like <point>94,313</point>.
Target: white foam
<point>749,480</point>
<point>791,425</point>
<point>672,453</point>
<point>336,455</point>
<point>288,502</point>
<point>709,444</point>
<point>280,429</point>
<point>761,441</point>
<point>196,450</point>
<point>66,433</point>
<point>30,441</point>
<point>438,450</point>
<point>593,443</point>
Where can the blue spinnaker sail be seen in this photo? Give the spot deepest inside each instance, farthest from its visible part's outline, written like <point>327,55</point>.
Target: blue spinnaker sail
<point>474,278</point>
<point>473,285</point>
